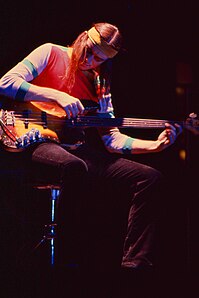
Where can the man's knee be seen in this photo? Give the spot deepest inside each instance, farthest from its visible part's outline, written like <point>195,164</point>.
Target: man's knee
<point>153,175</point>
<point>76,166</point>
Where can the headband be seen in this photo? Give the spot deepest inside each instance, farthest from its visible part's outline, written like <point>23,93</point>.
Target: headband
<point>103,46</point>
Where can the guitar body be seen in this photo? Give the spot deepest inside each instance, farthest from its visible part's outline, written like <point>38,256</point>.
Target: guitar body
<point>17,134</point>
<point>49,108</point>
<point>39,122</point>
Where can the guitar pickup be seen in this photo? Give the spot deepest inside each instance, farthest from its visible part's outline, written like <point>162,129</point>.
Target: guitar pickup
<point>44,120</point>
<point>26,123</point>
<point>26,114</point>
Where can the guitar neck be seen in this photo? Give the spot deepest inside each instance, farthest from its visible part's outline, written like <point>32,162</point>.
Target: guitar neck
<point>93,121</point>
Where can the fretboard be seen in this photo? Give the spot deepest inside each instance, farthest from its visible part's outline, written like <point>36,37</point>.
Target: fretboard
<point>93,121</point>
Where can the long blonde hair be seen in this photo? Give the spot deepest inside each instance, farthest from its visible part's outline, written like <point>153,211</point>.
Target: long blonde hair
<point>110,34</point>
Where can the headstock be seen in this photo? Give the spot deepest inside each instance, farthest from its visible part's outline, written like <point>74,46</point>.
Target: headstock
<point>192,123</point>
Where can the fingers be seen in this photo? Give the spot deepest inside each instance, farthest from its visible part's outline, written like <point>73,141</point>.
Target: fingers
<point>172,131</point>
<point>105,103</point>
<point>80,106</point>
<point>178,128</point>
<point>175,128</point>
<point>171,137</point>
<point>74,108</point>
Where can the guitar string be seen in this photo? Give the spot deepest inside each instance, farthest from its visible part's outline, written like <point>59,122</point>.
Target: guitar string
<point>93,120</point>
<point>84,121</point>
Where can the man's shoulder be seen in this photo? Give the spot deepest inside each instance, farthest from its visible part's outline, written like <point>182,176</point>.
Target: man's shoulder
<point>49,46</point>
<point>54,46</point>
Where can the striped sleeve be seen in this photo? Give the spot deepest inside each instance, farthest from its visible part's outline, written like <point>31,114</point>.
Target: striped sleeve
<point>113,139</point>
<point>117,142</point>
<point>16,82</point>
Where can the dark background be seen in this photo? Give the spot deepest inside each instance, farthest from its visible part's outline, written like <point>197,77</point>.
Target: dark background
<point>155,76</point>
<point>157,36</point>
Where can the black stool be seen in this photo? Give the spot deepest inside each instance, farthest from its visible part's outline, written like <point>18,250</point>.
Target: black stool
<point>50,228</point>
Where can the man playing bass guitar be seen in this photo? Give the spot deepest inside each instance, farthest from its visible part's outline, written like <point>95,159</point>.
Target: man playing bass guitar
<point>57,80</point>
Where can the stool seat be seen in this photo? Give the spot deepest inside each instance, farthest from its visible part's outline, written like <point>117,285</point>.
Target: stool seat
<point>46,186</point>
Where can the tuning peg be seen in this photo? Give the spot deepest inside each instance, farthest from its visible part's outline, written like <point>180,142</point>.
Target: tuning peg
<point>193,115</point>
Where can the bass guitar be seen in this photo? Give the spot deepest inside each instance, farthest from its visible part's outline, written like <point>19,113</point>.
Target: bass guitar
<point>18,130</point>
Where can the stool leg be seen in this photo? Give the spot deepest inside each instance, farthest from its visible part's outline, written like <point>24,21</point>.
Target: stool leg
<point>54,196</point>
